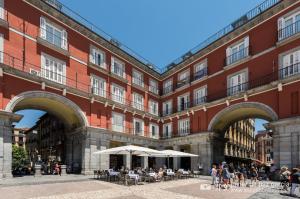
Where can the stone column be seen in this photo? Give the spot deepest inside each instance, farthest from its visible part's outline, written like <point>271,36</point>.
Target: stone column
<point>195,160</point>
<point>103,158</point>
<point>286,146</point>
<point>176,160</point>
<point>145,162</point>
<point>91,142</point>
<point>6,120</point>
<point>206,152</point>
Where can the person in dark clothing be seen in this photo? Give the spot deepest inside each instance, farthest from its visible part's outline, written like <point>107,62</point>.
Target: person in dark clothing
<point>295,180</point>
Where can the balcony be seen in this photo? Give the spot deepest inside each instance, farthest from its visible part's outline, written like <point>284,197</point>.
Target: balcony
<point>183,106</point>
<point>167,89</point>
<point>53,41</point>
<point>237,89</point>
<point>182,82</point>
<point>153,89</point>
<point>289,31</point>
<point>200,74</point>
<point>138,82</point>
<point>184,132</point>
<point>166,112</point>
<point>288,71</point>
<point>4,18</point>
<point>237,56</point>
<point>137,105</point>
<point>200,100</point>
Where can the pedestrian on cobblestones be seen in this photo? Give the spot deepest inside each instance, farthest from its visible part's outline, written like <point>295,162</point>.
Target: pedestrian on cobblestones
<point>214,174</point>
<point>295,180</point>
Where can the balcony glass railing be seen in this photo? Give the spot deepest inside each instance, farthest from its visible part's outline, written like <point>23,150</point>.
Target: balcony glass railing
<point>239,55</point>
<point>289,31</point>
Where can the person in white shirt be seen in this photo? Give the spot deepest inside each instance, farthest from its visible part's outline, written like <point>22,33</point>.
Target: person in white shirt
<point>214,174</point>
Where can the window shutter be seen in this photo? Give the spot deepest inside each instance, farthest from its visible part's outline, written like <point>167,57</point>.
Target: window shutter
<point>228,53</point>
<point>65,40</point>
<point>246,42</point>
<point>92,55</point>
<point>43,27</point>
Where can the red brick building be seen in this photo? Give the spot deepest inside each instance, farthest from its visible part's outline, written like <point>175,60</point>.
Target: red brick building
<point>54,61</point>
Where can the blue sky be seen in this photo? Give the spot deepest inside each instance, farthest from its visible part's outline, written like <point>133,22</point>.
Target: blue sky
<point>159,30</point>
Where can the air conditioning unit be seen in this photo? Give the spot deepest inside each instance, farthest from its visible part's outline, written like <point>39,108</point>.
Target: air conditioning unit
<point>34,72</point>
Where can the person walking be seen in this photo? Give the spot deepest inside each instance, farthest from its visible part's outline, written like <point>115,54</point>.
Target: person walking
<point>226,176</point>
<point>295,180</point>
<point>284,178</point>
<point>214,174</point>
<point>253,174</point>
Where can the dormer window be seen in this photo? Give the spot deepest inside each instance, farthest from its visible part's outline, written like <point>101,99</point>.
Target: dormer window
<point>237,51</point>
<point>53,33</point>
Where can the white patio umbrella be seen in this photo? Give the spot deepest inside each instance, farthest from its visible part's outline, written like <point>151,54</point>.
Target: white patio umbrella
<point>172,153</point>
<point>129,150</point>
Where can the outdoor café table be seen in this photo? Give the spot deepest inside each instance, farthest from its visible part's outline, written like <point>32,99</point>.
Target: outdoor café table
<point>114,173</point>
<point>134,176</point>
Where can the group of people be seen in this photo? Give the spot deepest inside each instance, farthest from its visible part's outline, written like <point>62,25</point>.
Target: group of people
<point>223,175</point>
<point>290,179</point>
<point>52,168</point>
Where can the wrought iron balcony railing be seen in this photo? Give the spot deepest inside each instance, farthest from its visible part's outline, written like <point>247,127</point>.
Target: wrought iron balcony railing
<point>289,31</point>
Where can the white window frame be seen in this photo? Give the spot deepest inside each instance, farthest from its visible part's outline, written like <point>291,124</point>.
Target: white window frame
<point>2,11</point>
<point>121,71</point>
<point>241,86</point>
<point>95,53</point>
<point>138,101</point>
<point>48,73</point>
<point>156,127</point>
<point>63,33</point>
<point>170,107</point>
<point>118,127</point>
<point>186,97</point>
<point>115,96</point>
<point>202,92</point>
<point>241,53</point>
<point>137,78</point>
<point>1,48</point>
<point>294,28</point>
<point>135,120</point>
<point>168,86</point>
<point>184,127</point>
<point>153,86</point>
<point>153,103</point>
<point>289,63</point>
<point>183,77</point>
<point>170,132</point>
<point>96,89</point>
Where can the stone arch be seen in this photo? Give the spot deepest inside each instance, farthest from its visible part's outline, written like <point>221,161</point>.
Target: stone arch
<point>240,111</point>
<point>53,103</point>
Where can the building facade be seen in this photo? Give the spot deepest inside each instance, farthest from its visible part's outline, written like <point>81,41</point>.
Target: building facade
<point>264,147</point>
<point>46,140</point>
<point>105,93</point>
<point>240,145</point>
<point>18,137</point>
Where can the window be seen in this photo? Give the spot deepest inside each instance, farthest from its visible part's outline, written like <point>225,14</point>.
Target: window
<point>138,101</point>
<point>200,70</point>
<point>153,86</point>
<point>184,127</point>
<point>167,130</point>
<point>138,127</point>
<point>237,52</point>
<point>168,86</point>
<point>167,108</point>
<point>137,78</point>
<point>98,86</point>
<point>290,64</point>
<point>183,78</point>
<point>53,34</point>
<point>118,122</point>
<point>154,131</point>
<point>2,9</point>
<point>118,93</point>
<point>183,102</point>
<point>1,48</point>
<point>117,67</point>
<point>153,107</point>
<point>53,69</point>
<point>237,84</point>
<point>200,95</point>
<point>97,57</point>
<point>288,26</point>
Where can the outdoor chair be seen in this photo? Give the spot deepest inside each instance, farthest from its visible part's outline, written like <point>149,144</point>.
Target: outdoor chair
<point>129,181</point>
